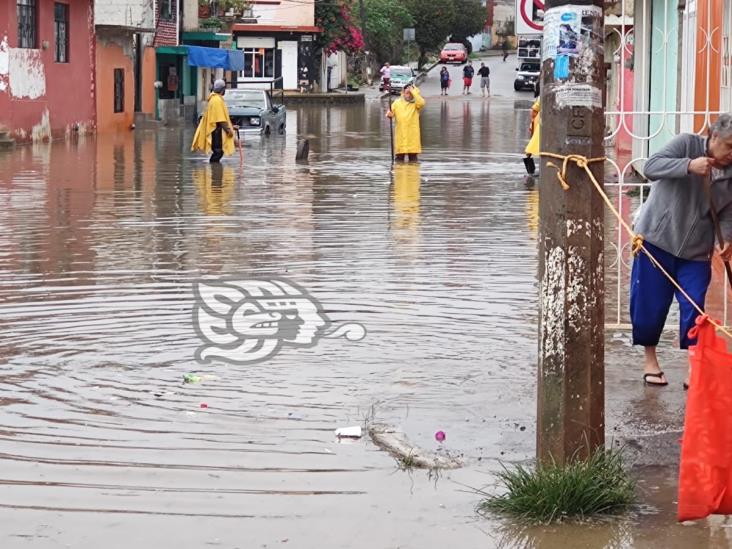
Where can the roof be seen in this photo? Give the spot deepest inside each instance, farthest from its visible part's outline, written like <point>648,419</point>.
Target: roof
<point>305,29</point>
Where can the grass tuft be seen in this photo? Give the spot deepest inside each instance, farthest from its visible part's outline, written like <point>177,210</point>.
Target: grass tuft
<point>552,493</point>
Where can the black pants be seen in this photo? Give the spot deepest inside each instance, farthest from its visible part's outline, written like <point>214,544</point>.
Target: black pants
<point>217,145</point>
<point>412,157</point>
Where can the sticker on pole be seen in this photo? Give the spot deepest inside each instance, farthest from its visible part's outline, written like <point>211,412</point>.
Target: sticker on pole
<point>529,16</point>
<point>570,29</point>
<point>578,95</point>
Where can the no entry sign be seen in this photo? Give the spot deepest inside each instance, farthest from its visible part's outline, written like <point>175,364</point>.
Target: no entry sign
<point>529,16</point>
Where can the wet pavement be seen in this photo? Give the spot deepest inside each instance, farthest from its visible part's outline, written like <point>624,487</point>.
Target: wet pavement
<point>103,445</point>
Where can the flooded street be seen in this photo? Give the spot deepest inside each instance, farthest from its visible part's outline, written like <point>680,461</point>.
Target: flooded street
<point>103,445</point>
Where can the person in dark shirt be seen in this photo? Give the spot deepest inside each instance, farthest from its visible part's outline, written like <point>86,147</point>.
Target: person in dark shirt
<point>444,80</point>
<point>485,80</point>
<point>504,47</point>
<point>468,72</point>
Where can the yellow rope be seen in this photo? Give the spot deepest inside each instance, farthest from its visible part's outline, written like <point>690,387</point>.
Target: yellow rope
<point>583,162</point>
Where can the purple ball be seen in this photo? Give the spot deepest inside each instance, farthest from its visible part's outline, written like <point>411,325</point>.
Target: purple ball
<point>439,436</point>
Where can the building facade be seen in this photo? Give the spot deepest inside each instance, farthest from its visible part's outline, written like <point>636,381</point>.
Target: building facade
<point>124,31</point>
<point>277,42</point>
<point>47,57</point>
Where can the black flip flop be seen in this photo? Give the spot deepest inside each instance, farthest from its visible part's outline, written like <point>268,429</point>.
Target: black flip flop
<point>658,374</point>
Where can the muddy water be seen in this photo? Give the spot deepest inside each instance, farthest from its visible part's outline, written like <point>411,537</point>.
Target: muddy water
<point>102,445</point>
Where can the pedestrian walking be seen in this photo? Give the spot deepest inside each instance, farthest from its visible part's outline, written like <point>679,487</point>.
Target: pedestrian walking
<point>468,72</point>
<point>405,112</point>
<point>533,147</point>
<point>444,80</point>
<point>504,47</point>
<point>386,77</point>
<point>678,228</point>
<point>485,80</point>
<point>215,132</point>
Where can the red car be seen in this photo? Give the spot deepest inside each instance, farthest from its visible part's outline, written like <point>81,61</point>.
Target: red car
<point>454,52</point>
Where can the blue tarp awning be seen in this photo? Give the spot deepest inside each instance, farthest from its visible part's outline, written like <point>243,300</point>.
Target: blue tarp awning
<point>215,58</point>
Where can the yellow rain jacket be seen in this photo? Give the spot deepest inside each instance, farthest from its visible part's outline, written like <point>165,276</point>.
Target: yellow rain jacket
<point>534,143</point>
<point>406,117</point>
<point>215,112</point>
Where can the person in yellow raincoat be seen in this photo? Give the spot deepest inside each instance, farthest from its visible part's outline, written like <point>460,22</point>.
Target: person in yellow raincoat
<point>533,148</point>
<point>405,112</point>
<point>215,132</point>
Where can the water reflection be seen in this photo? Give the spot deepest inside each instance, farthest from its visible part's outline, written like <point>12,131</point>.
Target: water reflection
<point>215,185</point>
<point>406,195</point>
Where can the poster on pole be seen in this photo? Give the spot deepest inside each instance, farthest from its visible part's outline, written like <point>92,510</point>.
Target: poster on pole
<point>529,16</point>
<point>408,35</point>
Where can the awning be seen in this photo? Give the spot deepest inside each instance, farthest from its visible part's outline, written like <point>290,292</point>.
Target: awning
<point>215,58</point>
<point>172,50</point>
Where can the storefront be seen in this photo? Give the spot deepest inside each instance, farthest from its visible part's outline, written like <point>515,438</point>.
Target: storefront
<point>273,51</point>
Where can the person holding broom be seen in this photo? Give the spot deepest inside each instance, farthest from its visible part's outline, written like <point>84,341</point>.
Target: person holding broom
<point>405,112</point>
<point>690,205</point>
<point>215,132</point>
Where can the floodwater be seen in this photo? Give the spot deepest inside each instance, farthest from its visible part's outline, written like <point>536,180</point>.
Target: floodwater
<point>103,445</point>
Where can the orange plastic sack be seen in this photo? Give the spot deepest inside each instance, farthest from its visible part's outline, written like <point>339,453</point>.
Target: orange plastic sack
<point>705,476</point>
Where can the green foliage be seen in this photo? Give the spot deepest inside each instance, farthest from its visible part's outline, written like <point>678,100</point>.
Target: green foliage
<point>470,18</point>
<point>385,21</point>
<point>433,23</point>
<point>211,23</point>
<point>552,493</point>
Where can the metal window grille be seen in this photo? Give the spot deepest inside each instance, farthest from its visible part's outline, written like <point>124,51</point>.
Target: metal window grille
<point>671,74</point>
<point>27,23</point>
<point>119,90</point>
<point>61,20</point>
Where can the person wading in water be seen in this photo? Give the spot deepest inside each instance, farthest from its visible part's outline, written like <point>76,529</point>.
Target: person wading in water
<point>215,132</point>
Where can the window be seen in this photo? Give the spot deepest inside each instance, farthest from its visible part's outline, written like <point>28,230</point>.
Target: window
<point>61,21</point>
<point>258,63</point>
<point>27,23</point>
<point>166,9</point>
<point>119,90</point>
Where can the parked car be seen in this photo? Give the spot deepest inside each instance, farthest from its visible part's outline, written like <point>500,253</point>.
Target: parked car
<point>400,77</point>
<point>528,74</point>
<point>254,112</point>
<point>454,52</point>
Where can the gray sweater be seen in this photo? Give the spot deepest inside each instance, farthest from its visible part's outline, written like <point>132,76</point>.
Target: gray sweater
<point>676,215</point>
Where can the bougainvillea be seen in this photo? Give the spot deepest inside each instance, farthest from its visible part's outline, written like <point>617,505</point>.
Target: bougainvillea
<point>338,30</point>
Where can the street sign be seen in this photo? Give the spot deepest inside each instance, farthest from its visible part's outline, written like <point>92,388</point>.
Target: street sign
<point>529,16</point>
<point>409,35</point>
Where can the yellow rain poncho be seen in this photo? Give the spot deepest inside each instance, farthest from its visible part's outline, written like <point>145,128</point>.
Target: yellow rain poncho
<point>533,146</point>
<point>215,112</point>
<point>406,116</point>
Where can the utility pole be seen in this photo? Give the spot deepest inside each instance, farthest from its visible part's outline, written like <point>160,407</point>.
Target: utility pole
<point>571,377</point>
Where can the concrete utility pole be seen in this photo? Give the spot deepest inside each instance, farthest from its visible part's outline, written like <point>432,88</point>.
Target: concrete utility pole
<point>571,384</point>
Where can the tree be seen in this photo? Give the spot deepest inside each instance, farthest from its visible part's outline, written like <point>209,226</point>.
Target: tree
<point>470,20</point>
<point>433,23</point>
<point>339,32</point>
<point>385,20</point>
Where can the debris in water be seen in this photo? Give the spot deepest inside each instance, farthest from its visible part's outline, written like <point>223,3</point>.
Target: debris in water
<point>192,378</point>
<point>204,405</point>
<point>440,436</point>
<point>349,432</point>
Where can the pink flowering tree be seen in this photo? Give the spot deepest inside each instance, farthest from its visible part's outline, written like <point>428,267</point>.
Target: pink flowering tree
<point>339,33</point>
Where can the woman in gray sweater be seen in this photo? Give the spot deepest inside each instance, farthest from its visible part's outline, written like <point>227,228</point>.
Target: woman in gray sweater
<point>677,228</point>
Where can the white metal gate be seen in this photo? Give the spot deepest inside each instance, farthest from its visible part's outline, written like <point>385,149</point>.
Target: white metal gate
<point>669,71</point>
